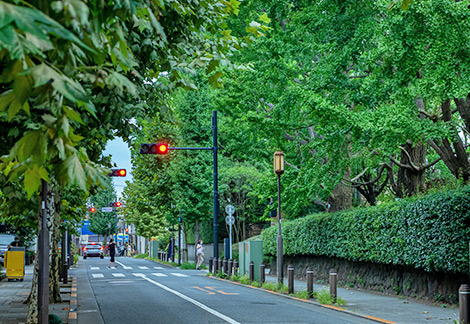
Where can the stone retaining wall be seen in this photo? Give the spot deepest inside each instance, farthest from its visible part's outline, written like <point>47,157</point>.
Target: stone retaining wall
<point>388,279</point>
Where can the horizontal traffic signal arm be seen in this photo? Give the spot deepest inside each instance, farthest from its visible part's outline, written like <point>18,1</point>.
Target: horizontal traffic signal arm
<point>117,173</point>
<point>163,148</point>
<point>115,204</point>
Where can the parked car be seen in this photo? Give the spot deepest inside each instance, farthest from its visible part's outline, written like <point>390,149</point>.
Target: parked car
<point>93,250</point>
<point>5,240</point>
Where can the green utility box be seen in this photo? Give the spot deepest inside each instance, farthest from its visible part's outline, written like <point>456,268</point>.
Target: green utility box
<point>250,251</point>
<point>153,249</point>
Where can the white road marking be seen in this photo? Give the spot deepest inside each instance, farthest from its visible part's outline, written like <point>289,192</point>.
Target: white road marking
<point>119,274</point>
<point>98,275</point>
<point>138,274</point>
<point>157,274</point>
<point>123,266</point>
<point>94,268</point>
<point>143,268</point>
<point>195,302</point>
<point>179,274</point>
<point>158,268</point>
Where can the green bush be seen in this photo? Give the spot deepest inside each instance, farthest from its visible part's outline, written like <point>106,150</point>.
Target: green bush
<point>325,298</point>
<point>188,266</point>
<point>255,284</point>
<point>141,256</point>
<point>429,233</point>
<point>245,280</point>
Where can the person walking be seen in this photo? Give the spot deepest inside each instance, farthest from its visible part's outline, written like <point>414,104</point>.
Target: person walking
<point>112,253</point>
<point>15,243</point>
<point>199,254</point>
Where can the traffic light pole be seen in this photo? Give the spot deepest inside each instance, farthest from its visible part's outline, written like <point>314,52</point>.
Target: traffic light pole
<point>214,150</point>
<point>216,189</point>
<point>115,221</point>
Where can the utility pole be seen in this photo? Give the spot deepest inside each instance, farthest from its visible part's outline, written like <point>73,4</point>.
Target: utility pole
<point>43,270</point>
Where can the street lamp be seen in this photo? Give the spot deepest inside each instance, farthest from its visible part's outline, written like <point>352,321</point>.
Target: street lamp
<point>279,169</point>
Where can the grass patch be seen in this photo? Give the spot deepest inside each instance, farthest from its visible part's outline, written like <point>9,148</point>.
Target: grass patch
<point>255,284</point>
<point>245,280</point>
<point>324,298</point>
<point>235,278</point>
<point>188,266</point>
<point>221,274</point>
<point>140,256</point>
<point>302,294</point>
<point>269,286</point>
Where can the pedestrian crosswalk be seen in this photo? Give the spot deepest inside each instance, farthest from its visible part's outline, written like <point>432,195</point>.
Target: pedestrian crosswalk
<point>111,273</point>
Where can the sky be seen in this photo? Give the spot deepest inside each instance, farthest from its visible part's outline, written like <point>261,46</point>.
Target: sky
<point>121,158</point>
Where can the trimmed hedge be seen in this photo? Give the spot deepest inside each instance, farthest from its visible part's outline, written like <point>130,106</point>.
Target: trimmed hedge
<point>430,233</point>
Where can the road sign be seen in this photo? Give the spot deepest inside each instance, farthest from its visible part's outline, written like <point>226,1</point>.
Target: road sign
<point>229,209</point>
<point>106,209</point>
<point>230,220</point>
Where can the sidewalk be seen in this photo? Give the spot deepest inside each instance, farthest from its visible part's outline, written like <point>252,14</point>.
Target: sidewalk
<point>13,295</point>
<point>386,308</point>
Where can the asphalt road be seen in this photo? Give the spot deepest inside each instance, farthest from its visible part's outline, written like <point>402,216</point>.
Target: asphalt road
<point>141,291</point>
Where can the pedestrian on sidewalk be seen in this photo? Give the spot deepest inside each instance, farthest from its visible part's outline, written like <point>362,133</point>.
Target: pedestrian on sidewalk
<point>112,253</point>
<point>199,254</point>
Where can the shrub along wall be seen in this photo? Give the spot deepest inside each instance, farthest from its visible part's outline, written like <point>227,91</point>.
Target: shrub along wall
<point>430,233</point>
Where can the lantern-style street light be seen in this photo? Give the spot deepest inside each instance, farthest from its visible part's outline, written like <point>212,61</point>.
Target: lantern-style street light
<point>279,169</point>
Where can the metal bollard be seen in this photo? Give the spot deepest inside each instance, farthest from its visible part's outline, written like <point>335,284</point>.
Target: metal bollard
<point>310,282</point>
<point>220,265</point>
<point>230,265</point>
<point>235,267</point>
<point>252,271</point>
<point>216,263</point>
<point>225,265</point>
<point>262,274</point>
<point>333,284</point>
<point>65,274</point>
<point>290,278</point>
<point>464,301</point>
<point>210,264</point>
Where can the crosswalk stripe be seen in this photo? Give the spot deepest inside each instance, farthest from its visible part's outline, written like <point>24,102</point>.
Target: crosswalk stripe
<point>158,268</point>
<point>98,275</point>
<point>138,274</point>
<point>158,274</point>
<point>123,266</point>
<point>143,267</point>
<point>94,268</point>
<point>178,274</point>
<point>119,274</point>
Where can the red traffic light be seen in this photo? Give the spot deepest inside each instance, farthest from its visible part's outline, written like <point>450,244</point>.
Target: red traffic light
<point>117,173</point>
<point>154,148</point>
<point>162,148</point>
<point>115,204</point>
<point>92,209</point>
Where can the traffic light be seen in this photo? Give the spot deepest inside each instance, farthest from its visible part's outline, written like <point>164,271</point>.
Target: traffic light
<point>127,230</point>
<point>92,209</point>
<point>154,148</point>
<point>115,204</point>
<point>117,173</point>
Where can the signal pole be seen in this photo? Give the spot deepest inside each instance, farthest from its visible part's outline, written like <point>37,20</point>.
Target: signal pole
<point>162,148</point>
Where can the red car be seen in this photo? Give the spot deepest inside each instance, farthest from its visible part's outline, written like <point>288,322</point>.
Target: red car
<point>93,250</point>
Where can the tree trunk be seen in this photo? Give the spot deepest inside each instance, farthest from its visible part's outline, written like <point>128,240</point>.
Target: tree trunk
<point>32,300</point>
<point>341,196</point>
<point>54,260</point>
<point>410,180</point>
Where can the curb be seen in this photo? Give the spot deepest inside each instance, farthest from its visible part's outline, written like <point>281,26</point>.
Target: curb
<point>73,303</point>
<point>372,318</point>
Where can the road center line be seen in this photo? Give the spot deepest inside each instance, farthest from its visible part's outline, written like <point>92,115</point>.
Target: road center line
<point>195,302</point>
